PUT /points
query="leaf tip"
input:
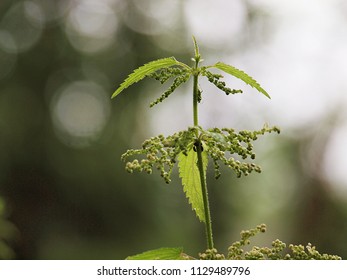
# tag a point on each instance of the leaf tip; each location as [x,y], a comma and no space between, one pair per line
[266,94]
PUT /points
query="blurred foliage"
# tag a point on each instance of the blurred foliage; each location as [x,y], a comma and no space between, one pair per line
[61,139]
[8,233]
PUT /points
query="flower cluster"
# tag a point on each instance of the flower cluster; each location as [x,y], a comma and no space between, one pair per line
[211,254]
[166,73]
[215,79]
[220,144]
[235,251]
[181,76]
[276,252]
[161,153]
[299,253]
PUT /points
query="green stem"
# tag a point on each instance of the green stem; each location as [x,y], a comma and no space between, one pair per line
[208,223]
[195,100]
[195,83]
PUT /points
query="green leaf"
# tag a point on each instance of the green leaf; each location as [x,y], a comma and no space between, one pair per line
[160,254]
[145,70]
[189,172]
[241,75]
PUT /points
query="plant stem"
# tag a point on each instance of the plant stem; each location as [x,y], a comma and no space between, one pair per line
[208,222]
[195,83]
[195,99]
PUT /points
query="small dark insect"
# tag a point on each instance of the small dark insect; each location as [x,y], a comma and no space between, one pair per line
[196,145]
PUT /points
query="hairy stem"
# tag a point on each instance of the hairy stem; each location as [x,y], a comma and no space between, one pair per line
[208,223]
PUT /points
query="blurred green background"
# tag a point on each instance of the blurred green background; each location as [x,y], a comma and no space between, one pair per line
[64,191]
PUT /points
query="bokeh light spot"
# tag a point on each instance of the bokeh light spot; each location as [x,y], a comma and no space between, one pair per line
[91,26]
[153,17]
[216,23]
[80,112]
[23,24]
[335,161]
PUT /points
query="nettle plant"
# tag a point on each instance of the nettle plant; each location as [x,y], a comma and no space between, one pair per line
[193,147]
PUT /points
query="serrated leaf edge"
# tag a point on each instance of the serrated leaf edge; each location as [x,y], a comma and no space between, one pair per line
[229,69]
[200,213]
[146,69]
